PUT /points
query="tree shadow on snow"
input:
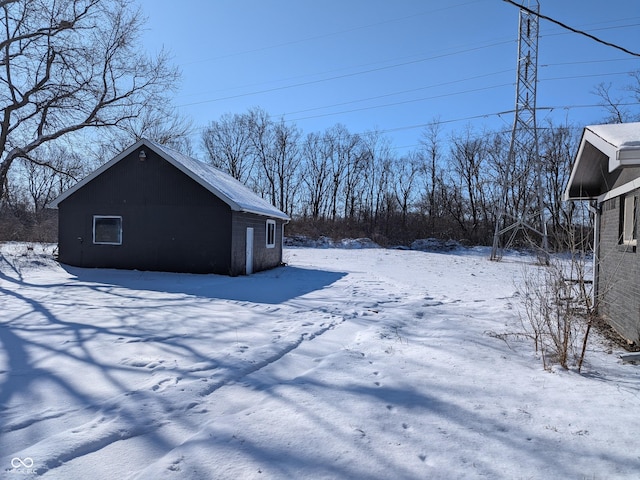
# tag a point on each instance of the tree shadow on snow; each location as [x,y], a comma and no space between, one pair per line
[346,424]
[41,325]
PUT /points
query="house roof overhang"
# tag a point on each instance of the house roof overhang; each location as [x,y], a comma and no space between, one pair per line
[603,149]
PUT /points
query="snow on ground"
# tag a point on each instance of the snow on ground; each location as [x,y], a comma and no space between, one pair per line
[348,363]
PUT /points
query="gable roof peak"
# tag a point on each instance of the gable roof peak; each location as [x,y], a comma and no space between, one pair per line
[231,191]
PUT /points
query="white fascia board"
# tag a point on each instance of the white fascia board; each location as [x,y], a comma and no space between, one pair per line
[621,190]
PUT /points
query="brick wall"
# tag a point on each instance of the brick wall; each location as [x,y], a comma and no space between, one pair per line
[619,276]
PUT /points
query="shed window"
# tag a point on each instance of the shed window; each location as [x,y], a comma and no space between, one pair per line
[107,230]
[271,233]
[628,207]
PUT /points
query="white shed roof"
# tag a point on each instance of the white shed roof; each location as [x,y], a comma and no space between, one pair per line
[238,196]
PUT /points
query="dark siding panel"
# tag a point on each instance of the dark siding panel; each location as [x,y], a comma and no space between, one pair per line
[72,233]
[619,279]
[170,223]
[263,257]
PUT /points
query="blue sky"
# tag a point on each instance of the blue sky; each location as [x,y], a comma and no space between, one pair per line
[388,65]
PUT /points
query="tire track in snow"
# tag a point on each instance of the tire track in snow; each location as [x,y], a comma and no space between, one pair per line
[278,355]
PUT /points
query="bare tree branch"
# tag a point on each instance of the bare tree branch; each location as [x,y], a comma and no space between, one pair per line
[70,66]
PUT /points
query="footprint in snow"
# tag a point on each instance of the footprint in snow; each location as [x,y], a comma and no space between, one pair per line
[164,383]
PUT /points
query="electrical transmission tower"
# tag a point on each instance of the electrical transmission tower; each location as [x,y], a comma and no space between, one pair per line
[523,167]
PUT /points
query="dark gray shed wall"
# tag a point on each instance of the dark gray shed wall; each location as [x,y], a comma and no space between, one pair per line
[170,222]
[619,275]
[263,257]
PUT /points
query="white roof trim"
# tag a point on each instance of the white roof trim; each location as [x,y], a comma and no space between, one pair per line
[619,145]
[621,190]
[620,142]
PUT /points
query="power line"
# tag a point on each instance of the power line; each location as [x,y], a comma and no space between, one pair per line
[473,117]
[415,100]
[583,62]
[312,82]
[337,77]
[442,84]
[360,72]
[404,102]
[574,30]
[616,27]
[331,34]
[258,92]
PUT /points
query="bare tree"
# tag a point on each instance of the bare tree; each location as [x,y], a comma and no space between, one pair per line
[353,157]
[634,89]
[228,144]
[498,171]
[283,168]
[70,65]
[468,167]
[316,167]
[159,122]
[375,176]
[557,147]
[336,137]
[262,142]
[45,179]
[406,171]
[431,152]
[611,103]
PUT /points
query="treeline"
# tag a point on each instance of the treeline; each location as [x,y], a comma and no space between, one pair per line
[343,184]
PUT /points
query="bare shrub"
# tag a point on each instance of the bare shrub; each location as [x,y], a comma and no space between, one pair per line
[557,310]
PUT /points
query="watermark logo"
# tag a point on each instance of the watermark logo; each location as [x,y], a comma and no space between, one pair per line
[22,465]
[26,462]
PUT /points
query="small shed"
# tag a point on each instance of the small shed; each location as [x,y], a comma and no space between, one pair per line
[153,208]
[606,172]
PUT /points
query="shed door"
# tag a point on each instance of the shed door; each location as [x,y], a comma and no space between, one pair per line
[249,252]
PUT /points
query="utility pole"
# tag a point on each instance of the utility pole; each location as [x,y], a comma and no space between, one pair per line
[523,148]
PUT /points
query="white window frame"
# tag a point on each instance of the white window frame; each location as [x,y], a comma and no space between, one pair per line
[101,217]
[270,232]
[628,206]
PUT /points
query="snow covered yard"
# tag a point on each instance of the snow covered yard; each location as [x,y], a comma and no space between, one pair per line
[365,363]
